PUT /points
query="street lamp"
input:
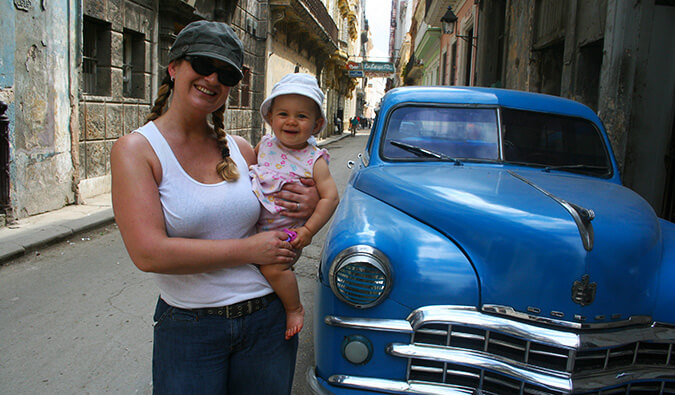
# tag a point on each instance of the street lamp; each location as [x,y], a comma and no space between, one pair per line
[449,22]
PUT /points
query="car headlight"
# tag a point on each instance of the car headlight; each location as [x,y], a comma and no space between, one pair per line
[361,276]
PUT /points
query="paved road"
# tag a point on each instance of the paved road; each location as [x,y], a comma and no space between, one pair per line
[77,317]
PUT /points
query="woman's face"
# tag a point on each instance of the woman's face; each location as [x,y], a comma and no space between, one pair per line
[192,89]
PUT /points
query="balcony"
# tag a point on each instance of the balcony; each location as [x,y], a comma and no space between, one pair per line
[306,22]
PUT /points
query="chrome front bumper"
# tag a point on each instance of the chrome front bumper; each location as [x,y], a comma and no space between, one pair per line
[453,345]
[382,385]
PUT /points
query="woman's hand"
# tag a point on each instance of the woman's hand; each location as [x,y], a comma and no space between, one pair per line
[271,247]
[299,200]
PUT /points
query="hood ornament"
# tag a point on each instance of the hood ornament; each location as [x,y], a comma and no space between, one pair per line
[583,292]
[582,216]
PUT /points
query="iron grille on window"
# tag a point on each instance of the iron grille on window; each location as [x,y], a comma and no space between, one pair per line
[89,60]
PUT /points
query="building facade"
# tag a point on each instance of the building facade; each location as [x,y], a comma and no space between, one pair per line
[78,74]
[316,37]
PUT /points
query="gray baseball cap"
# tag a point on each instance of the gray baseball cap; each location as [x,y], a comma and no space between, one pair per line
[210,39]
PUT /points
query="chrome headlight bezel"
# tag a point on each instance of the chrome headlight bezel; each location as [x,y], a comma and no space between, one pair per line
[363,255]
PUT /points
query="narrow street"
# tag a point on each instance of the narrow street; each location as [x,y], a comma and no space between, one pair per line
[77,317]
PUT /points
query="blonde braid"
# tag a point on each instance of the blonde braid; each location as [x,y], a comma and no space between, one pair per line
[162,97]
[226,168]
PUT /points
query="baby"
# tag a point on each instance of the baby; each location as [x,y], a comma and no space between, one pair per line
[294,111]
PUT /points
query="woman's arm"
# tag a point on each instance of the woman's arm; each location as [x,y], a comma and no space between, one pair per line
[136,172]
[325,208]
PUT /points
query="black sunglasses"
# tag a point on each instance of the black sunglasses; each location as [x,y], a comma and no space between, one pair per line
[227,76]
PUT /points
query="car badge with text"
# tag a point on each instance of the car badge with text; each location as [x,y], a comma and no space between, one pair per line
[583,292]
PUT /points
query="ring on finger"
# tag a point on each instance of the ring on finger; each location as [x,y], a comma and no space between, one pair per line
[297,206]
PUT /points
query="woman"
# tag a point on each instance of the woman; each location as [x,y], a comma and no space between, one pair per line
[184,206]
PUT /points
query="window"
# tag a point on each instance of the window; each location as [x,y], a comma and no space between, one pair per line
[468,60]
[234,97]
[245,88]
[96,57]
[444,66]
[133,67]
[240,95]
[553,140]
[589,64]
[467,133]
[453,64]
[550,68]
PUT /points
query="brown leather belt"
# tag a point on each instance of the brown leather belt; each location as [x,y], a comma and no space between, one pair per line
[240,309]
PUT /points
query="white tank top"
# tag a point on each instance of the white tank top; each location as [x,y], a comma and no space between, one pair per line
[226,210]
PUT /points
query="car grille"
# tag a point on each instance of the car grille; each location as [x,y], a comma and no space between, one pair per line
[533,355]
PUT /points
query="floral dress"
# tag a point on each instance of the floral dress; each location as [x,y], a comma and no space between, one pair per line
[277,166]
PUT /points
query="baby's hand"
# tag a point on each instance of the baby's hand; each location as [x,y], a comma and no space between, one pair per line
[303,239]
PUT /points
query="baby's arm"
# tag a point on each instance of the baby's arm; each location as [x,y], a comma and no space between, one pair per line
[328,201]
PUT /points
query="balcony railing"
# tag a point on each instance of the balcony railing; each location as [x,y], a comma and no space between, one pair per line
[302,10]
[319,11]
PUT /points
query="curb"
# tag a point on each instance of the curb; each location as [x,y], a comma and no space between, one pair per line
[331,139]
[17,245]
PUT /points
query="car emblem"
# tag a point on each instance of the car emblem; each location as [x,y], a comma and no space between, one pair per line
[583,292]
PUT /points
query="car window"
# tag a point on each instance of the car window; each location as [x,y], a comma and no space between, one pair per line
[462,133]
[554,141]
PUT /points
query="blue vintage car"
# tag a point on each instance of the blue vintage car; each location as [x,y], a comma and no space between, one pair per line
[485,244]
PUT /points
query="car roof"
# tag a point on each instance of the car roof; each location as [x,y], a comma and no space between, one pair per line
[508,98]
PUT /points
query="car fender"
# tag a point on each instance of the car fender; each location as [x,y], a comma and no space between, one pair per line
[428,268]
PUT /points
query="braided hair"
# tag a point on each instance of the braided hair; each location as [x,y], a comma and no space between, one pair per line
[226,168]
[162,97]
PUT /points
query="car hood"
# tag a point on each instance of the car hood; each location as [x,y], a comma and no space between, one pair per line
[525,246]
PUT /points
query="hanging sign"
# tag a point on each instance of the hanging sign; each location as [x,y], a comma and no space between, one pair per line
[353,65]
[378,67]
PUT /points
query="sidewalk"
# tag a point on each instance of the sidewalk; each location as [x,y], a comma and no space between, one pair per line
[31,233]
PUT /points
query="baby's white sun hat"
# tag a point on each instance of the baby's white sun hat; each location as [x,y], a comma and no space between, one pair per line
[294,84]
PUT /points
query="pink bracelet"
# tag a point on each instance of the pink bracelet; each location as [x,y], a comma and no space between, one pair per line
[291,235]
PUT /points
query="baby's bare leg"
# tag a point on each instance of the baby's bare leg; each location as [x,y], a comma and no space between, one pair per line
[283,281]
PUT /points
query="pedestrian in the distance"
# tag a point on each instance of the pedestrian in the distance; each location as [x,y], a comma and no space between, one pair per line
[184,205]
[353,124]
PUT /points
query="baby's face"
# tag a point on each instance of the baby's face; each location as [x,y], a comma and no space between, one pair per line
[294,118]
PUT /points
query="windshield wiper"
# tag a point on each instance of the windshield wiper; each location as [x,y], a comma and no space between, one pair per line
[419,151]
[578,166]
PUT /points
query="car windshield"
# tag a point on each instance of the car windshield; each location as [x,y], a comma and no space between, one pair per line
[547,141]
[447,132]
[554,143]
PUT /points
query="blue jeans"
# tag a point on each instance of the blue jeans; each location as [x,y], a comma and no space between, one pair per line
[207,354]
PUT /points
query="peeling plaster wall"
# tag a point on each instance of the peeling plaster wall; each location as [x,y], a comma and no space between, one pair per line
[41,167]
[7,48]
[651,122]
[520,22]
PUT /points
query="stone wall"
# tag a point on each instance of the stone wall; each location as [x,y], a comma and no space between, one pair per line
[249,21]
[106,115]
